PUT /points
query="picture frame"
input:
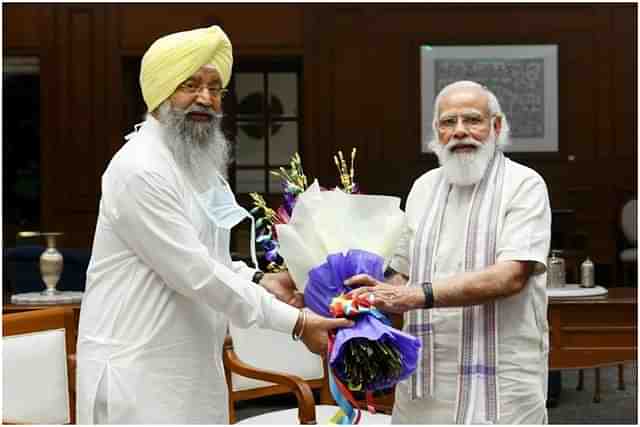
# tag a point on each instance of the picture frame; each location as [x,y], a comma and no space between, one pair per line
[524,78]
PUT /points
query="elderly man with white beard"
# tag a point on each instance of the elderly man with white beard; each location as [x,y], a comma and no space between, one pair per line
[161,285]
[470,274]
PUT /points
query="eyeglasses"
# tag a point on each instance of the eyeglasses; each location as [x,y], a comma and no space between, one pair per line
[471,121]
[192,88]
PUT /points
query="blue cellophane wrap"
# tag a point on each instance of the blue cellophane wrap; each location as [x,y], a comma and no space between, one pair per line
[326,281]
[368,326]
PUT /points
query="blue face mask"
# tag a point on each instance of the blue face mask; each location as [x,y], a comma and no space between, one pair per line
[222,209]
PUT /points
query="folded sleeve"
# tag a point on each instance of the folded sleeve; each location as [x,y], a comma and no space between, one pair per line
[242,269]
[149,216]
[526,231]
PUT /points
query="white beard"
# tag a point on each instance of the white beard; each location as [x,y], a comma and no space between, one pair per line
[199,149]
[465,168]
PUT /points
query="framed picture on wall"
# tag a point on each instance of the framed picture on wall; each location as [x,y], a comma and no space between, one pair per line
[524,78]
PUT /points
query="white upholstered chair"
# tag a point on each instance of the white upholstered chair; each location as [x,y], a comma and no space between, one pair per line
[628,256]
[38,370]
[260,363]
[269,351]
[629,226]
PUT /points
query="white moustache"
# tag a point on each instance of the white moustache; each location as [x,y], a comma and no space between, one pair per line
[454,143]
[198,109]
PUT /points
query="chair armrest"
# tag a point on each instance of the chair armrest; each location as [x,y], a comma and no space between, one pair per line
[302,391]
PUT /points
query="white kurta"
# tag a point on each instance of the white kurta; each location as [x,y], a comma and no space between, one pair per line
[160,289]
[524,232]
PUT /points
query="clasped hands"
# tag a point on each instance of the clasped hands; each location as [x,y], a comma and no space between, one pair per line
[390,298]
[394,298]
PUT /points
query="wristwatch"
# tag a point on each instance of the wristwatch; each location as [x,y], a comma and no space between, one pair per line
[257,276]
[427,288]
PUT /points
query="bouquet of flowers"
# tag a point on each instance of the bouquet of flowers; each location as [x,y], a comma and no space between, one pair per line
[294,183]
[323,238]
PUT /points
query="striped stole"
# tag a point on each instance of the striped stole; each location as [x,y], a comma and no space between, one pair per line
[477,387]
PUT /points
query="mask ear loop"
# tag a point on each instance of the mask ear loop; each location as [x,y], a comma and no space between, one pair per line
[136,128]
[254,258]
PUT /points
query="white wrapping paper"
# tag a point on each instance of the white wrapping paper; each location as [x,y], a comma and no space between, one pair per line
[327,222]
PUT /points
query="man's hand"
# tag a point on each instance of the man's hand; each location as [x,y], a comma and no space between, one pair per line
[388,298]
[315,336]
[281,285]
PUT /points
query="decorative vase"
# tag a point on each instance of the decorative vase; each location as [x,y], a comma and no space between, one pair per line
[51,262]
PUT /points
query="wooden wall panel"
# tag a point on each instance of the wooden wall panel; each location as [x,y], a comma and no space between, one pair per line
[591,72]
[602,68]
[19,38]
[114,105]
[349,78]
[75,148]
[455,20]
[21,23]
[317,85]
[623,101]
[360,88]
[80,129]
[577,97]
[250,27]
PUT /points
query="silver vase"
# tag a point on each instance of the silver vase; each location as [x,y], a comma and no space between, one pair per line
[51,262]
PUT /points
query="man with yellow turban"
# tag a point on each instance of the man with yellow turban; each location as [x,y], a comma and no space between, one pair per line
[161,285]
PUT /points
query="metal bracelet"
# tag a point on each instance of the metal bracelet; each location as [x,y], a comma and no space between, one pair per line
[298,336]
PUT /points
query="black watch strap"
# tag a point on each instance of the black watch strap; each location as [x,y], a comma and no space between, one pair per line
[427,288]
[257,276]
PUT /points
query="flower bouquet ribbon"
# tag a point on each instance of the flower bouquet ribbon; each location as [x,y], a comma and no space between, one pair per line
[330,237]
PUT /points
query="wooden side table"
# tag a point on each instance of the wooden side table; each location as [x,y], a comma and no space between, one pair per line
[586,333]
[594,332]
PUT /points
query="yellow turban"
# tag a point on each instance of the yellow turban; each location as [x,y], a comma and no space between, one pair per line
[174,58]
